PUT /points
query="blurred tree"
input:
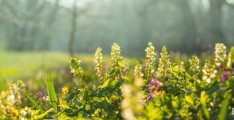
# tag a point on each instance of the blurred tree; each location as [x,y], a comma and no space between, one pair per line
[76,12]
[28,23]
[73,28]
[142,12]
[49,23]
[215,26]
[216,29]
[189,43]
[46,24]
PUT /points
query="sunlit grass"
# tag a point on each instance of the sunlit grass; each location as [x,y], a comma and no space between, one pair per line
[31,67]
[34,65]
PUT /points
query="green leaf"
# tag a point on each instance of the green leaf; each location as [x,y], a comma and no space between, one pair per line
[175,103]
[41,116]
[73,94]
[113,83]
[105,84]
[224,105]
[121,64]
[203,98]
[189,100]
[51,92]
[33,102]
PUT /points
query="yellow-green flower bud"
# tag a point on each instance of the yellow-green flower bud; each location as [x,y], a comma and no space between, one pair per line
[220,54]
[98,62]
[75,67]
[164,64]
[209,72]
[138,71]
[194,63]
[116,57]
[150,59]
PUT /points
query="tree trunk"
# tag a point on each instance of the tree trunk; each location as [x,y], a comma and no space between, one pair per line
[215,15]
[144,35]
[51,19]
[73,29]
[189,43]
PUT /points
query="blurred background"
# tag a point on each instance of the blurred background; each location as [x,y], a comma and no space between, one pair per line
[39,36]
[80,26]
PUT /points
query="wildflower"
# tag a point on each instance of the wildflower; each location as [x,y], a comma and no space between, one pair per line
[98,62]
[26,112]
[65,89]
[124,65]
[220,54]
[138,83]
[15,93]
[3,94]
[116,62]
[164,64]
[181,66]
[75,67]
[209,72]
[150,59]
[23,113]
[116,57]
[11,99]
[153,88]
[12,111]
[114,98]
[133,99]
[154,85]
[126,104]
[137,71]
[194,63]
[128,114]
[225,75]
[132,102]
[126,90]
[45,99]
[40,96]
[150,96]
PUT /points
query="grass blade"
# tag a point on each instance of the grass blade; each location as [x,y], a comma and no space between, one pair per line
[51,92]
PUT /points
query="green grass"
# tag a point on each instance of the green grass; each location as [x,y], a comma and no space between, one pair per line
[31,67]
[51,92]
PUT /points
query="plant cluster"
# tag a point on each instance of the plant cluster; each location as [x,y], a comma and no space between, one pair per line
[151,90]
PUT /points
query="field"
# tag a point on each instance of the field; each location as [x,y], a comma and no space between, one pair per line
[50,85]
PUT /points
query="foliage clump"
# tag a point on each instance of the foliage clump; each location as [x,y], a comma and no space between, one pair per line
[177,90]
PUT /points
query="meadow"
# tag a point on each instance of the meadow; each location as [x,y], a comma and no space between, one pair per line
[50,85]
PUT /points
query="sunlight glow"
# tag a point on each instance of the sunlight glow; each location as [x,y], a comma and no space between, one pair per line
[69,3]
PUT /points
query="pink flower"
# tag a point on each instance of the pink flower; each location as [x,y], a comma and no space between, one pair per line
[150,96]
[40,96]
[154,85]
[225,75]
